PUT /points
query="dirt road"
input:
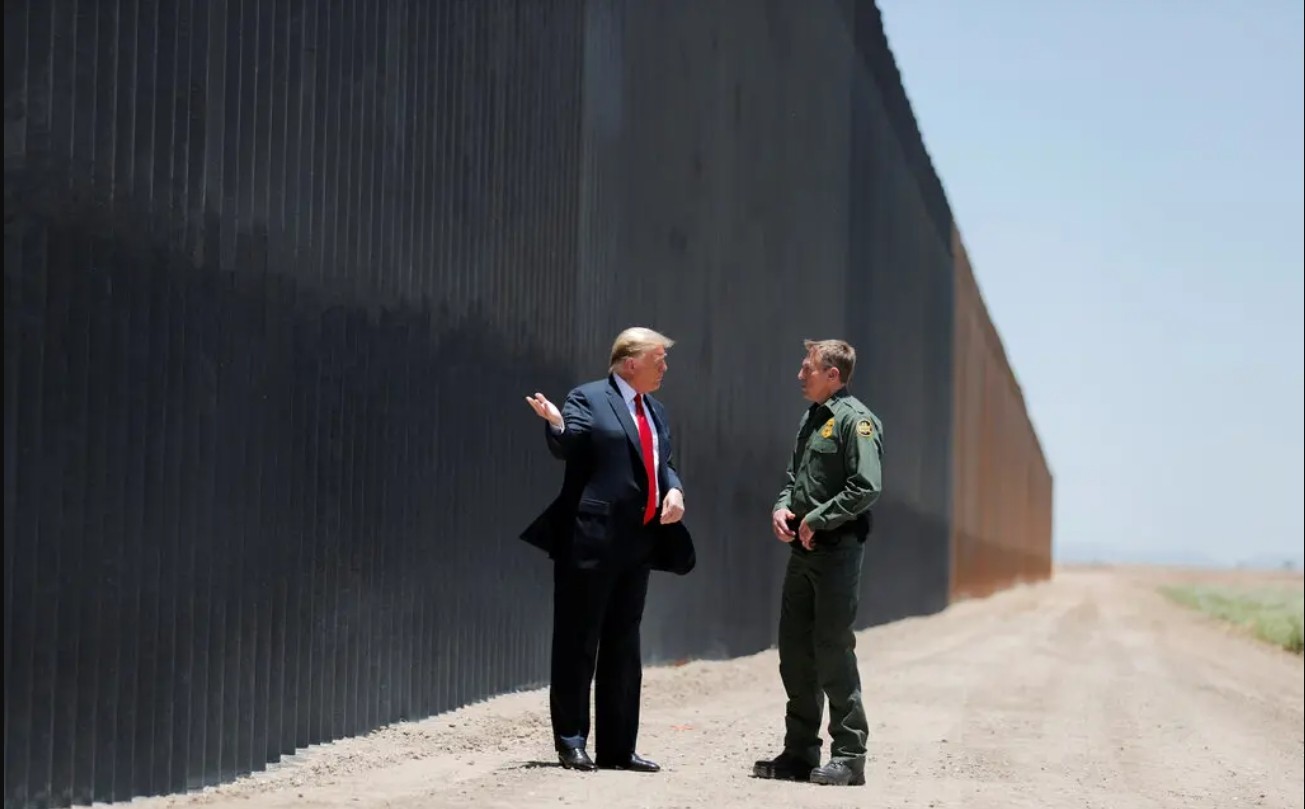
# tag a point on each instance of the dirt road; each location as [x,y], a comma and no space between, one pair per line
[1088,691]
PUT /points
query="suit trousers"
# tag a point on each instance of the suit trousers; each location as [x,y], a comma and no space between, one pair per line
[596,618]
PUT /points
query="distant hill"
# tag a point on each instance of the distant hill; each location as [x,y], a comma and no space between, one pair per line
[1271,562]
[1090,554]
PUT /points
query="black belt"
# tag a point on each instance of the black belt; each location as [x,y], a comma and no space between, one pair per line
[858,527]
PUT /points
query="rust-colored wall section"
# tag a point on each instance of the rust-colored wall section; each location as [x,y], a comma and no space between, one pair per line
[1001,484]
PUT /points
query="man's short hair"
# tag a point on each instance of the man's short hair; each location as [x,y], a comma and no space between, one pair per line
[634,341]
[835,354]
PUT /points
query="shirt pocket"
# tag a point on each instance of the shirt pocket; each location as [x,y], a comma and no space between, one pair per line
[821,446]
[824,463]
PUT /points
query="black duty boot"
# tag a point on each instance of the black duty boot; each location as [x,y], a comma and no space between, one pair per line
[784,767]
[838,774]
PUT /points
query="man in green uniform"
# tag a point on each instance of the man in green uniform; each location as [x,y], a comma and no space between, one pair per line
[833,480]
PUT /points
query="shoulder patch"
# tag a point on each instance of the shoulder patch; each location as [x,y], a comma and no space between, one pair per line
[865,428]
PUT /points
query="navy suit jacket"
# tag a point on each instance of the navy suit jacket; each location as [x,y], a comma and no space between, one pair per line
[597,518]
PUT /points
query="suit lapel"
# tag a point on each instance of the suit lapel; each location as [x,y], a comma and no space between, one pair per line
[623,415]
[663,440]
[654,417]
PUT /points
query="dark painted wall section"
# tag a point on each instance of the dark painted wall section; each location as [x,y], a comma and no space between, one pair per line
[899,313]
[278,275]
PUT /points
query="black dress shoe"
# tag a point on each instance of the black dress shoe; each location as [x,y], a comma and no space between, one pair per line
[635,763]
[575,758]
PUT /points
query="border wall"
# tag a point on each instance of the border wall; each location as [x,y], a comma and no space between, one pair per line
[278,275]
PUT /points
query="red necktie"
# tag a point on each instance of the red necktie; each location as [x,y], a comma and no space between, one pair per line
[646,444]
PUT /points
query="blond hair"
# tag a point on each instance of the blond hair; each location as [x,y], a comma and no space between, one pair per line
[835,354]
[634,341]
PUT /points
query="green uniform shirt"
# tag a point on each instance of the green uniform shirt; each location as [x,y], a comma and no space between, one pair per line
[835,473]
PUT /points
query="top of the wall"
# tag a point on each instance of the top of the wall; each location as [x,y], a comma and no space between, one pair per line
[965,275]
[873,49]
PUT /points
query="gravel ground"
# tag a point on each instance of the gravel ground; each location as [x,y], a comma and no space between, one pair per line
[1090,690]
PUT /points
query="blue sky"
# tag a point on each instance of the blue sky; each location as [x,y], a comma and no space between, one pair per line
[1128,179]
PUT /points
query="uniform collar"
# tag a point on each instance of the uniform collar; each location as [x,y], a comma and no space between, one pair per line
[828,404]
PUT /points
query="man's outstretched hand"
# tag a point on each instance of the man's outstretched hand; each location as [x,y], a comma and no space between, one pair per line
[545,409]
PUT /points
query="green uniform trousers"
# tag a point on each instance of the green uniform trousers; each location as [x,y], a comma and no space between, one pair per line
[817,652]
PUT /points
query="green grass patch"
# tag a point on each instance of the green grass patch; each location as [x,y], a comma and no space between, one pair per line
[1273,615]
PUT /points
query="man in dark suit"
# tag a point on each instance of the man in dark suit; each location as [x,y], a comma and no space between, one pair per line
[617,517]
